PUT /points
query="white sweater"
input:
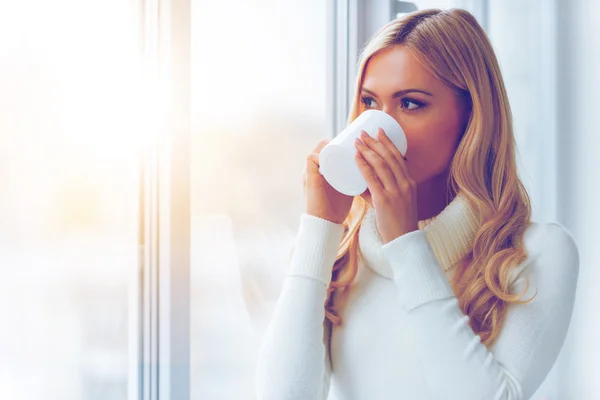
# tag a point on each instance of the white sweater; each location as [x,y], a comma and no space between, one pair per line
[403,335]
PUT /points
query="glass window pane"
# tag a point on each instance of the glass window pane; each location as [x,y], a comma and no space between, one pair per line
[69,202]
[258,109]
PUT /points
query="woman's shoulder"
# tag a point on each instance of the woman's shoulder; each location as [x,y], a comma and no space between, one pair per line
[551,252]
[549,238]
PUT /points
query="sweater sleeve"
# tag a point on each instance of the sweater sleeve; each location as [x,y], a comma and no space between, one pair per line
[293,358]
[457,365]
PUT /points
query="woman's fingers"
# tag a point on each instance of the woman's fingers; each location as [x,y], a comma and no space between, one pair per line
[368,172]
[399,158]
[322,143]
[382,161]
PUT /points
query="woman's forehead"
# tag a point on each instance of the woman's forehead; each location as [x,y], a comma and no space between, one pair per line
[397,69]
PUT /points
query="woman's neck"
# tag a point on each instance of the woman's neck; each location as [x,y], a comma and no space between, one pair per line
[433,196]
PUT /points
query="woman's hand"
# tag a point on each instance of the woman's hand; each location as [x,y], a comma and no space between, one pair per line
[393,191]
[322,200]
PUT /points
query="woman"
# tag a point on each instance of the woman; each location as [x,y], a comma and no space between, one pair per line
[416,288]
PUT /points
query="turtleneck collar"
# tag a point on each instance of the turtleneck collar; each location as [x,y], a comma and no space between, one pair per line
[450,234]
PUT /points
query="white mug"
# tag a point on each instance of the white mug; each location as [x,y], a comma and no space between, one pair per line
[337,162]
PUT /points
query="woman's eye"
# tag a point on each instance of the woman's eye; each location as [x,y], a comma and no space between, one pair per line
[366,100]
[407,104]
[416,103]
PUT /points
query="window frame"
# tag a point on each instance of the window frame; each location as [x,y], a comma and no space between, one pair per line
[164,350]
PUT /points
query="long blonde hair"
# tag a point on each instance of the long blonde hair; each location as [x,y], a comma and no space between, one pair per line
[455,49]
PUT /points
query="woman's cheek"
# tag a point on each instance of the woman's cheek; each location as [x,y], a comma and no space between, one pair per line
[423,162]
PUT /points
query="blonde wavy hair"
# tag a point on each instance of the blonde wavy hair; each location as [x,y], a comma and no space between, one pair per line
[455,49]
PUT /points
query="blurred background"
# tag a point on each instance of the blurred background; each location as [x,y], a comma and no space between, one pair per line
[151,159]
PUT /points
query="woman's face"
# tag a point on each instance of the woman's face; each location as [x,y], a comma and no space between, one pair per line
[431,115]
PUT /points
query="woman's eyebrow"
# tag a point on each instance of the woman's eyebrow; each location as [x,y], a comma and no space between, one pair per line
[399,92]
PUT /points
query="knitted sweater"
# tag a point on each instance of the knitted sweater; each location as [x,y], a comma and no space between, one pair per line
[403,335]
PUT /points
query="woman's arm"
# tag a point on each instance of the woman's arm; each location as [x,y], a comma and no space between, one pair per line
[457,365]
[293,361]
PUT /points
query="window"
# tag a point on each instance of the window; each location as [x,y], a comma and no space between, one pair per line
[258,109]
[69,172]
[148,210]
[527,56]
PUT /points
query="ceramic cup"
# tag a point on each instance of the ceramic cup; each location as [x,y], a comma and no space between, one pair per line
[337,159]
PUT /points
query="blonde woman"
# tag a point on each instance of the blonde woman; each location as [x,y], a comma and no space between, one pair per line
[434,283]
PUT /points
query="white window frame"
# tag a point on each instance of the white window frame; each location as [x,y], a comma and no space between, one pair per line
[164,348]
